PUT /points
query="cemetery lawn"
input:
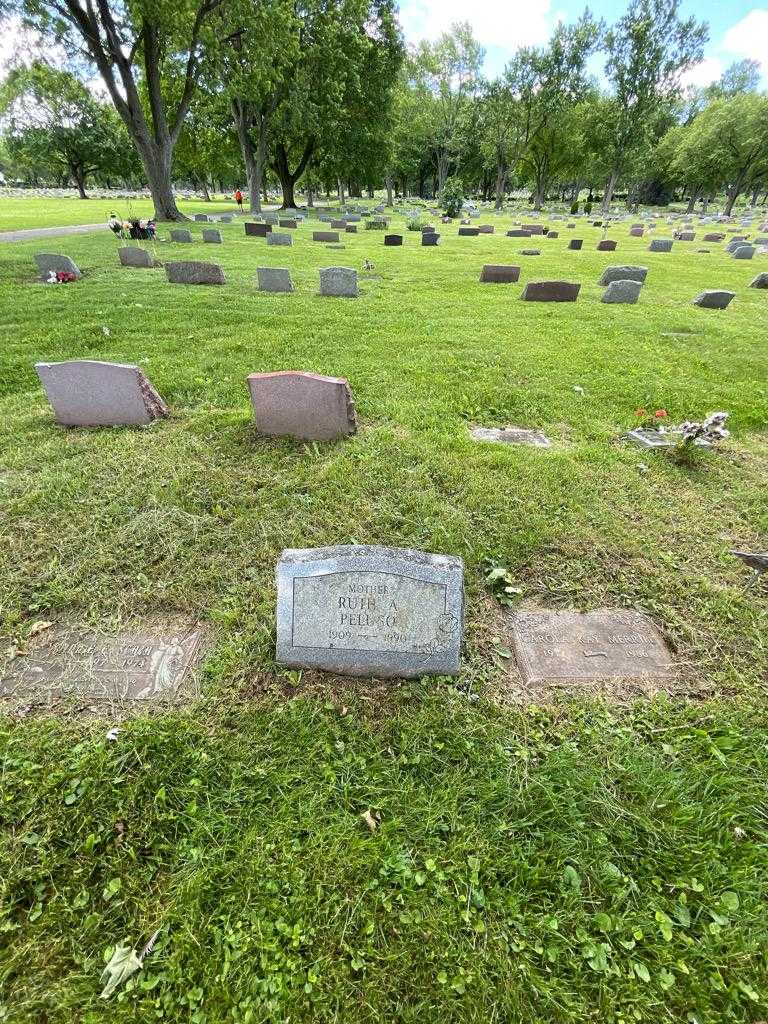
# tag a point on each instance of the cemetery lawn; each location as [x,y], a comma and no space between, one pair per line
[567,860]
[19,214]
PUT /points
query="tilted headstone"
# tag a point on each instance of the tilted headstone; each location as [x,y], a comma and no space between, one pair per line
[255,230]
[89,393]
[193,272]
[274,279]
[606,245]
[623,273]
[212,235]
[133,256]
[744,252]
[761,281]
[624,292]
[181,235]
[339,282]
[576,243]
[430,238]
[325,236]
[306,406]
[51,261]
[714,299]
[660,245]
[499,273]
[393,239]
[550,291]
[278,238]
[584,647]
[469,232]
[370,611]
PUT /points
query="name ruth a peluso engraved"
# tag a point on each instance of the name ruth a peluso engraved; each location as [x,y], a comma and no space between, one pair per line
[361,610]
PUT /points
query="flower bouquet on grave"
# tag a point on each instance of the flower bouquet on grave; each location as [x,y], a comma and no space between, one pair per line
[650,433]
[60,277]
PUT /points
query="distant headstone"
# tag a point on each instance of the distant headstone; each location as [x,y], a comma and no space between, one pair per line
[339,225]
[550,291]
[201,217]
[193,272]
[325,236]
[511,435]
[534,229]
[469,232]
[553,234]
[370,611]
[303,405]
[518,233]
[279,238]
[660,245]
[274,279]
[393,239]
[584,647]
[430,238]
[714,299]
[89,393]
[485,229]
[212,235]
[744,252]
[636,232]
[576,243]
[606,245]
[181,235]
[622,292]
[623,273]
[339,282]
[351,229]
[226,218]
[714,236]
[255,230]
[497,273]
[270,218]
[288,223]
[50,261]
[761,281]
[530,252]
[153,662]
[685,236]
[133,256]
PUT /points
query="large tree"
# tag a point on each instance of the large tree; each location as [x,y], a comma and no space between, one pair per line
[148,54]
[647,51]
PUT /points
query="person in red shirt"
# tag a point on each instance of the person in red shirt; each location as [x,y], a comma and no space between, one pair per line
[239,198]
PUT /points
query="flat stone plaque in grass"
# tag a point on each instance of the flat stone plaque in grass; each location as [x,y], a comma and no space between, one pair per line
[150,663]
[584,647]
[370,611]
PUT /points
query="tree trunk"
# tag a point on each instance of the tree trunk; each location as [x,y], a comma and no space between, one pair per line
[310,197]
[755,194]
[693,200]
[77,174]
[283,171]
[206,193]
[501,185]
[442,169]
[370,191]
[157,165]
[610,186]
[733,194]
[388,183]
[340,190]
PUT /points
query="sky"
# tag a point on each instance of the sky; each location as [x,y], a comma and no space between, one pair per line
[738,28]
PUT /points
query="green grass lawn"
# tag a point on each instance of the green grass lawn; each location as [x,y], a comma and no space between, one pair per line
[18,214]
[566,860]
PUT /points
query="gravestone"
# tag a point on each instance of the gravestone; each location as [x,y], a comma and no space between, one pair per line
[50,261]
[153,662]
[498,273]
[761,281]
[636,232]
[306,406]
[553,234]
[193,272]
[255,230]
[622,292]
[660,245]
[325,236]
[469,232]
[181,235]
[518,233]
[201,217]
[370,611]
[485,229]
[576,243]
[226,218]
[511,435]
[339,225]
[278,238]
[606,245]
[714,236]
[393,239]
[274,279]
[734,244]
[133,256]
[586,647]
[550,291]
[534,229]
[744,252]
[685,236]
[288,223]
[626,273]
[714,299]
[351,229]
[212,235]
[270,218]
[430,238]
[339,282]
[89,393]
[530,252]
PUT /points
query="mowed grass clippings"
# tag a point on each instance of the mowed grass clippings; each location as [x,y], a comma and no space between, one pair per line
[570,864]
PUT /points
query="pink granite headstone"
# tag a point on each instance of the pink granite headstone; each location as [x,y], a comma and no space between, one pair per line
[88,393]
[303,405]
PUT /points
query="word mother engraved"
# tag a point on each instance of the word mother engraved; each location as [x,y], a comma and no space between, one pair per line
[575,647]
[151,663]
[370,611]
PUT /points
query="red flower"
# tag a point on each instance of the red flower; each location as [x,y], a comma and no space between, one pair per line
[661,414]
